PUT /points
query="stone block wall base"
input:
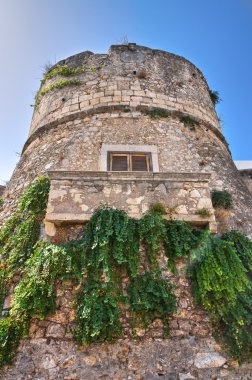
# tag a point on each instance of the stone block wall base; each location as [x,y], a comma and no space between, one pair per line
[171,359]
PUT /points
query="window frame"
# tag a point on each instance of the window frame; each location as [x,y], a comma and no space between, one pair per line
[129,155]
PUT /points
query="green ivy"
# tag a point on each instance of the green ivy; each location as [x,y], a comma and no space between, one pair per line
[180,241]
[220,284]
[151,297]
[3,284]
[106,259]
[11,331]
[98,313]
[20,233]
[243,247]
[36,292]
[153,234]
[111,245]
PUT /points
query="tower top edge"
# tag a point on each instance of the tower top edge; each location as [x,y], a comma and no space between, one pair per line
[129,47]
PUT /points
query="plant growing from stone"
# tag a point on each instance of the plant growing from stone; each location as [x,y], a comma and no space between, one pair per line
[204,212]
[57,85]
[156,113]
[222,199]
[215,97]
[220,284]
[63,70]
[108,255]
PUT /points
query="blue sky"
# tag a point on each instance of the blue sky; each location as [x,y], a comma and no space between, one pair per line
[215,35]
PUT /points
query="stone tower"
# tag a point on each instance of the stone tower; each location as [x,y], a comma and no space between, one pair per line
[129,128]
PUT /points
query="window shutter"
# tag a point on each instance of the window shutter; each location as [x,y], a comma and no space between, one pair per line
[119,163]
[139,163]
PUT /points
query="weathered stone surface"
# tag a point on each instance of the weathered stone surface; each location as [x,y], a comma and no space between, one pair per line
[209,360]
[69,130]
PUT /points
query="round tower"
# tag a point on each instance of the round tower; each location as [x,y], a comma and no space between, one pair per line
[129,128]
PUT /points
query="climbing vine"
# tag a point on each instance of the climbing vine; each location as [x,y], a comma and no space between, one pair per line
[151,297]
[36,292]
[243,247]
[180,241]
[11,331]
[115,273]
[220,284]
[110,246]
[20,233]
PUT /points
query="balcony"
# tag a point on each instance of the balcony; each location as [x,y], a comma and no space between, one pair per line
[74,195]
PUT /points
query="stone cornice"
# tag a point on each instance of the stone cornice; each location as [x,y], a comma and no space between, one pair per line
[79,175]
[115,108]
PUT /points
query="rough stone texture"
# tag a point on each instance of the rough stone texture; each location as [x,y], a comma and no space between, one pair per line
[74,195]
[169,82]
[76,146]
[189,353]
[246,175]
[68,131]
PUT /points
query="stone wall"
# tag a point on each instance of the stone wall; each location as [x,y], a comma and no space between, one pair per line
[246,176]
[69,130]
[77,145]
[190,352]
[75,195]
[129,75]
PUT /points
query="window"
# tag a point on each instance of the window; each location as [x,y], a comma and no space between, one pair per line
[129,161]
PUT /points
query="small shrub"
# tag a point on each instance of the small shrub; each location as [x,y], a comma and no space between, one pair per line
[64,71]
[214,95]
[158,208]
[204,212]
[1,202]
[188,121]
[222,199]
[157,113]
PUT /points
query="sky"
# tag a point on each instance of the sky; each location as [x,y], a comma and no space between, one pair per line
[215,35]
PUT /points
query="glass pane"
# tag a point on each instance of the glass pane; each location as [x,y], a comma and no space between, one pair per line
[139,163]
[119,163]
